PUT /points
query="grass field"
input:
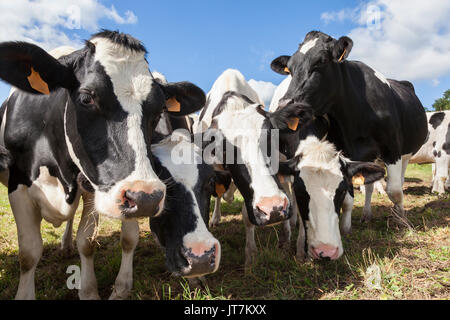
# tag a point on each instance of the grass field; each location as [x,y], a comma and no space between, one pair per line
[414,264]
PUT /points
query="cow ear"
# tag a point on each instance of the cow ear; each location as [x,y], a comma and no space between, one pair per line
[342,49]
[291,117]
[364,172]
[279,65]
[183,98]
[31,69]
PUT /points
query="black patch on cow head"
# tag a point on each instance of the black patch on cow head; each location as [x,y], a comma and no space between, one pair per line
[314,68]
[436,119]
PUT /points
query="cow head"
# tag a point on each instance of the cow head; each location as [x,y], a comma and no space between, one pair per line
[244,144]
[191,250]
[109,105]
[315,69]
[322,178]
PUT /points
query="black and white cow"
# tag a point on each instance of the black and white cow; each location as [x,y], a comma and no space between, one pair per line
[322,184]
[370,116]
[245,129]
[91,112]
[435,150]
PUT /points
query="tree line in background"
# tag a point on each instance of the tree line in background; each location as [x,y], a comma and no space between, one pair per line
[442,103]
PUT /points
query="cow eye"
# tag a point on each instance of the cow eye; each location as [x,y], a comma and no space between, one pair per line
[87,99]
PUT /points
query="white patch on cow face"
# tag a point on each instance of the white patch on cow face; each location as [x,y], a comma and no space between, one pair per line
[320,170]
[381,77]
[132,81]
[308,45]
[187,174]
[243,128]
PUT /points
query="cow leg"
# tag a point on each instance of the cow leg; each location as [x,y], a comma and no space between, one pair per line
[367,211]
[394,185]
[28,222]
[86,246]
[285,234]
[128,239]
[215,220]
[66,242]
[441,174]
[378,187]
[346,221]
[301,254]
[447,183]
[229,195]
[250,244]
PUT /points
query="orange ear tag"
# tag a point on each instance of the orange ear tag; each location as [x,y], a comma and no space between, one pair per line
[293,123]
[286,69]
[342,56]
[220,189]
[37,83]
[173,105]
[358,180]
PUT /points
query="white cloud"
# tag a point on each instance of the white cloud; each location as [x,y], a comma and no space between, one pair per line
[403,40]
[264,89]
[50,23]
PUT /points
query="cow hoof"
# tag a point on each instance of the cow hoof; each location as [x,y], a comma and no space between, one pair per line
[67,250]
[88,296]
[213,223]
[115,295]
[346,231]
[300,256]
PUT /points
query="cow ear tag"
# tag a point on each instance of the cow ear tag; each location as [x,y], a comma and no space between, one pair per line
[173,105]
[342,56]
[286,69]
[37,83]
[293,123]
[220,189]
[358,180]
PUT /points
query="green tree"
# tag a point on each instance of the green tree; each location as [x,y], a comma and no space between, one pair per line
[442,103]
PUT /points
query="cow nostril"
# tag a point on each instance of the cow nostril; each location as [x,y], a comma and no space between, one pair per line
[128,200]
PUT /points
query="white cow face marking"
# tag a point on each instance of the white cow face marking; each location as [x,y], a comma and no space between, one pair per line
[246,129]
[320,171]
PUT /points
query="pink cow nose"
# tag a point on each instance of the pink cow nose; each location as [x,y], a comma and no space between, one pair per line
[269,204]
[323,251]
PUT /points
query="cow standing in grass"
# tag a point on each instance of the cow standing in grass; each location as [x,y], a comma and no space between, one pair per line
[91,112]
[370,116]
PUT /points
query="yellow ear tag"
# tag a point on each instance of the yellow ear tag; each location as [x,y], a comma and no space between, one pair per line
[286,69]
[342,56]
[173,105]
[37,83]
[358,180]
[293,123]
[220,189]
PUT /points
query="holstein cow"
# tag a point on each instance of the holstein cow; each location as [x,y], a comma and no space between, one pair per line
[435,150]
[322,184]
[91,112]
[181,223]
[191,250]
[238,84]
[245,128]
[370,116]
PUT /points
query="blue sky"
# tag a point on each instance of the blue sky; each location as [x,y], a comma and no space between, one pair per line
[197,40]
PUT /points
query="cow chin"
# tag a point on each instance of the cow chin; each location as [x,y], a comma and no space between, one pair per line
[131,199]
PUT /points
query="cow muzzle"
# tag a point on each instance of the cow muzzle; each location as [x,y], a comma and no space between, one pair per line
[271,210]
[141,199]
[201,258]
[325,252]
